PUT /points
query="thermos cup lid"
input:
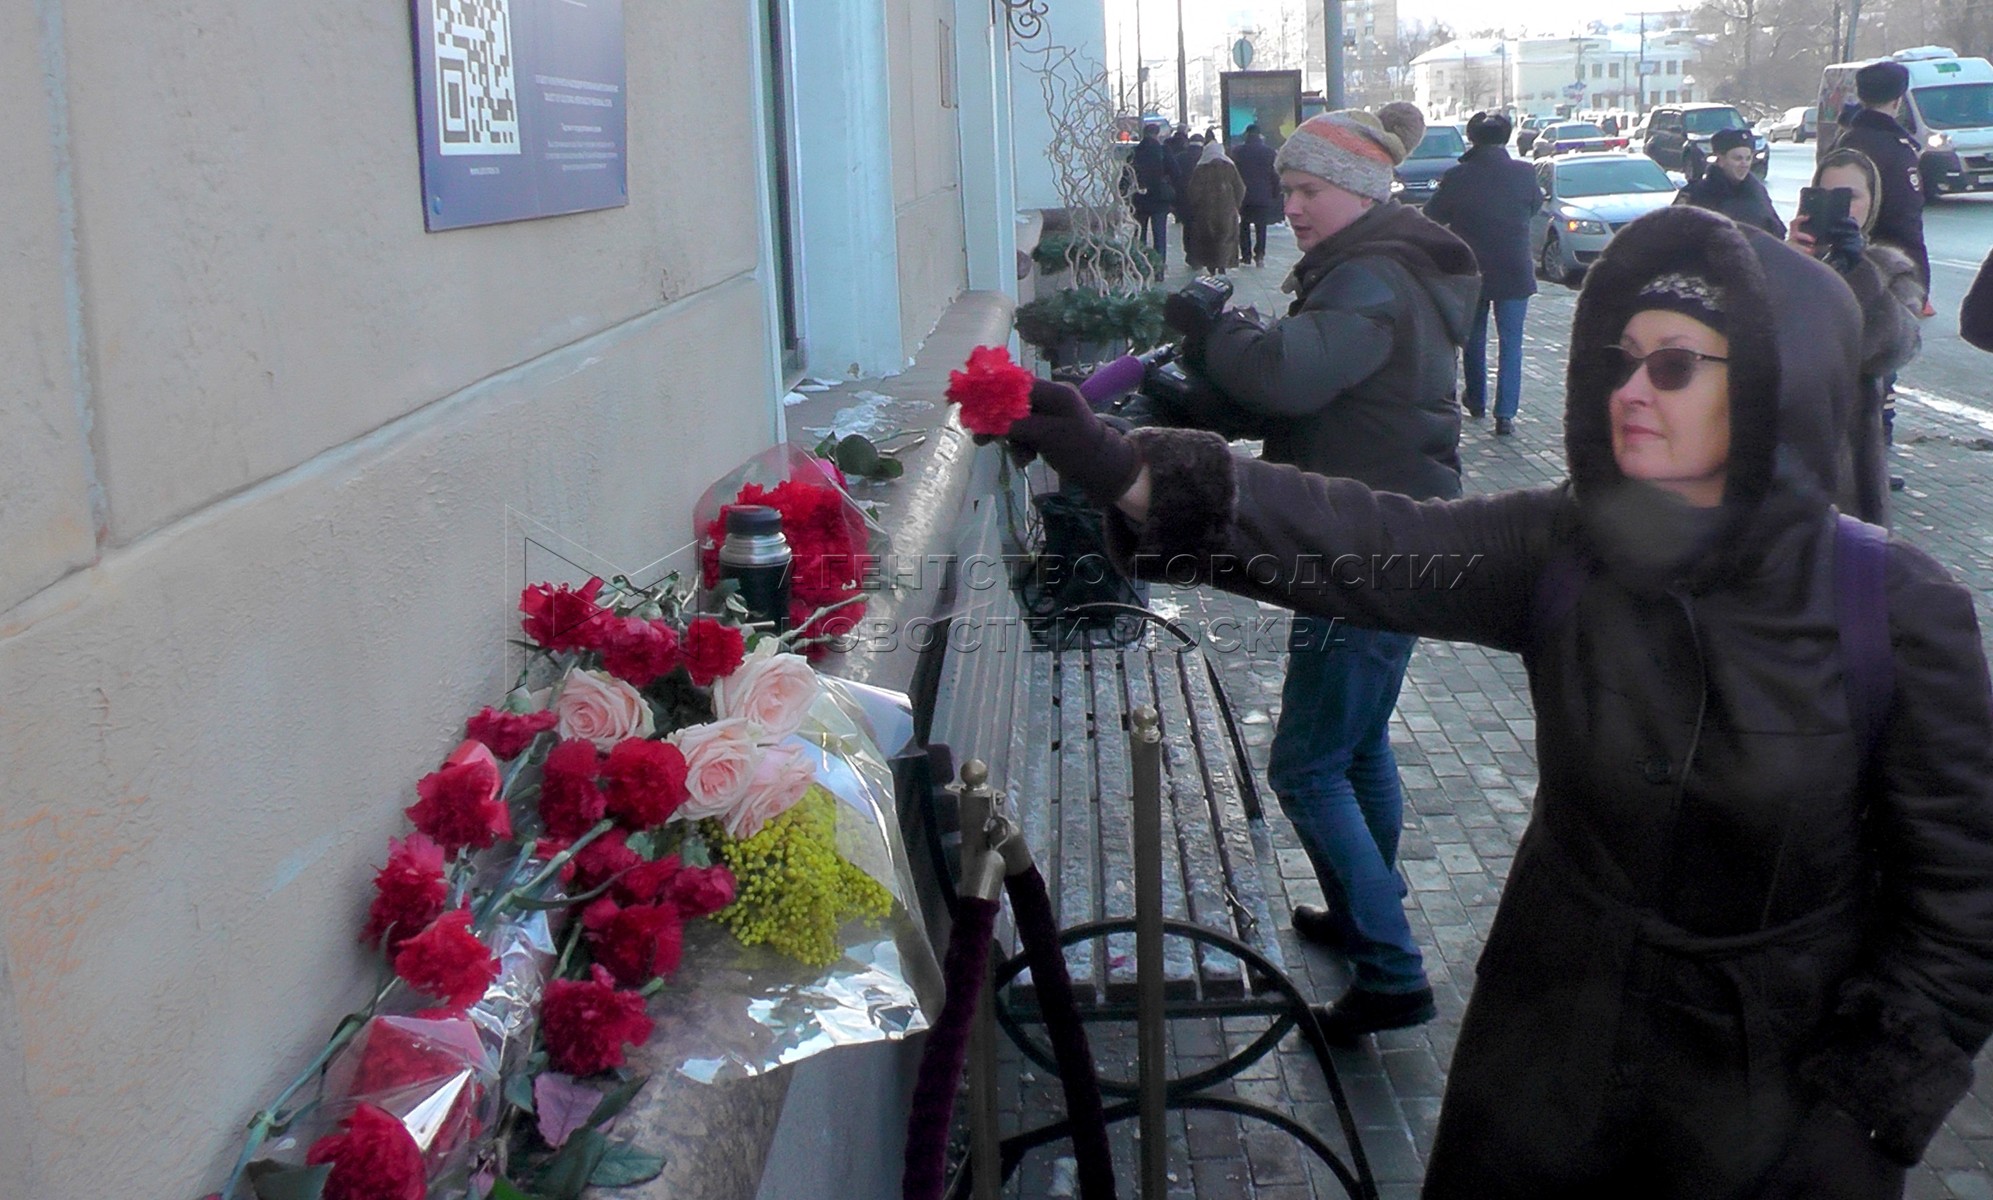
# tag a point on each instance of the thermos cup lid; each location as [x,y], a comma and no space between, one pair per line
[753,520]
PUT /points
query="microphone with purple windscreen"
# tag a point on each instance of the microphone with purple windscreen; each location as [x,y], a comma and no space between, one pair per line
[1122,375]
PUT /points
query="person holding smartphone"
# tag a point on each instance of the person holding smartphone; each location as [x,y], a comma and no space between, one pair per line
[1835,217]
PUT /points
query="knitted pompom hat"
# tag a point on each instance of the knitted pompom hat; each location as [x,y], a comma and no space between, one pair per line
[1353,149]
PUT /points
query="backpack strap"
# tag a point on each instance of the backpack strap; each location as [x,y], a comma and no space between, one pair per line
[1556,594]
[1861,611]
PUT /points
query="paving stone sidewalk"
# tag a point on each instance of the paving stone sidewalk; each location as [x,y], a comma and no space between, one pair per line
[1465,737]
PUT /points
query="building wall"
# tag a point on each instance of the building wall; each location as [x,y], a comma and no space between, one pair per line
[927,164]
[268,453]
[1077,25]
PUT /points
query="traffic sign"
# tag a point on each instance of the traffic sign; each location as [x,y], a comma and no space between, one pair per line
[1242,53]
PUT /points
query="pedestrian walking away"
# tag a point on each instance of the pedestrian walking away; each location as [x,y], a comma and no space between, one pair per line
[1261,207]
[1151,191]
[1874,131]
[1488,201]
[1356,380]
[1188,152]
[1730,187]
[1885,284]
[1745,947]
[1975,314]
[1211,241]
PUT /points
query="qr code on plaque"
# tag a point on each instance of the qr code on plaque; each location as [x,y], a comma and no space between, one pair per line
[477,100]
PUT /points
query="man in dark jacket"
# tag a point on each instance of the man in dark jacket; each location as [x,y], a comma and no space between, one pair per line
[1185,151]
[1875,132]
[1153,189]
[1356,381]
[1975,316]
[1261,207]
[1729,187]
[1488,200]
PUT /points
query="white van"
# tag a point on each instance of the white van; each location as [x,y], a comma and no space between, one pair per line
[1949,111]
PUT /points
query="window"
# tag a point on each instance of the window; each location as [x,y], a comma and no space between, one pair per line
[950,97]
[1671,97]
[1670,65]
[781,185]
[1653,97]
[1612,70]
[1598,69]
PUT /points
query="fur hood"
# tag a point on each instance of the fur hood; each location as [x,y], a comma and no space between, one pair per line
[1794,334]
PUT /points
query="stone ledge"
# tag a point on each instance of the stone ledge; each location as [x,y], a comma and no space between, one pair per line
[721,1141]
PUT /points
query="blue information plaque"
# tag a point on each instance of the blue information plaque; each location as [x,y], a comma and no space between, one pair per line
[521,109]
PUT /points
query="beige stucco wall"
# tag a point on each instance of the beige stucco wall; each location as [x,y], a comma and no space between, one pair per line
[927,167]
[307,421]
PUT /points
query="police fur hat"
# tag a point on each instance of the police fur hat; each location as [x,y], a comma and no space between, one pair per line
[1489,129]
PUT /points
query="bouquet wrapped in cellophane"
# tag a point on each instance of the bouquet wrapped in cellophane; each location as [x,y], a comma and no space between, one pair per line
[672,825]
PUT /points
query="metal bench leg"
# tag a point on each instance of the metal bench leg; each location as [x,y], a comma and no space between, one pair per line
[985,1141]
[1151,1044]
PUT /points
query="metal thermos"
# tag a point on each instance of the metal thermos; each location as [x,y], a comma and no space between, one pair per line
[757,557]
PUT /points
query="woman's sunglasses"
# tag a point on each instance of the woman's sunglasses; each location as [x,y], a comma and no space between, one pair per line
[1669,368]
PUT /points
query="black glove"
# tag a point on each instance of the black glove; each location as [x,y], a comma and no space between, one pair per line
[1831,1155]
[1193,309]
[1841,244]
[1073,440]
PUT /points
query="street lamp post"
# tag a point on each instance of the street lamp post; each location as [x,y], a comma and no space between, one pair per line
[1182,74]
[1332,53]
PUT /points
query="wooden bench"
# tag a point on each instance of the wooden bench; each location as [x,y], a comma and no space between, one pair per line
[1053,725]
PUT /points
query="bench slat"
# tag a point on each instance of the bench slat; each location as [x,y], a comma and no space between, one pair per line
[1139,665]
[1077,795]
[1197,844]
[1229,813]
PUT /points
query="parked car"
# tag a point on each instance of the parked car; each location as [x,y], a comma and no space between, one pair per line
[1678,137]
[1794,125]
[1949,111]
[1586,199]
[1436,154]
[1568,137]
[1526,132]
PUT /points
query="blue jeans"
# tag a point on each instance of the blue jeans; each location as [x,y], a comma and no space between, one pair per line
[1508,336]
[1337,780]
[1157,226]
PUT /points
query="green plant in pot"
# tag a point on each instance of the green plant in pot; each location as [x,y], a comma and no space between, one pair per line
[1081,325]
[1057,253]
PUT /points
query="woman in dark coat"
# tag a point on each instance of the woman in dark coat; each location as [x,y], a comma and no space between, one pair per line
[1488,201]
[1263,203]
[1891,294]
[1746,944]
[1211,240]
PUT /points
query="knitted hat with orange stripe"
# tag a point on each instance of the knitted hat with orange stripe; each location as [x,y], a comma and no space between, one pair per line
[1354,149]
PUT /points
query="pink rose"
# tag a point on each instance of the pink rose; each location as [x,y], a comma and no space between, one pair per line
[771,689]
[601,708]
[719,764]
[781,778]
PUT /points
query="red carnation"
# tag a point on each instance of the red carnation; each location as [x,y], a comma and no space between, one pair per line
[569,800]
[637,943]
[507,733]
[638,651]
[701,891]
[598,862]
[372,1157]
[459,805]
[409,892]
[647,883]
[645,781]
[586,1023]
[991,391]
[448,961]
[562,618]
[713,650]
[394,1057]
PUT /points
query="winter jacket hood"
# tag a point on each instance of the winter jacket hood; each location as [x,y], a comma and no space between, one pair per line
[1793,389]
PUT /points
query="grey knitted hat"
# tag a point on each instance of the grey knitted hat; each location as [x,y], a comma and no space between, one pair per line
[1353,149]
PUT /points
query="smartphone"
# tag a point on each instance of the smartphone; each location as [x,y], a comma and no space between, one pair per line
[1823,207]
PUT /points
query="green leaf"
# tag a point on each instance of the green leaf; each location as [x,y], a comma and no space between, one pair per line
[626,1166]
[889,468]
[519,1091]
[568,1172]
[290,1183]
[857,455]
[505,1189]
[616,1100]
[645,844]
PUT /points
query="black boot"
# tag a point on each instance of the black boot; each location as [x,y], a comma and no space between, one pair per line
[1504,426]
[1316,925]
[1361,1011]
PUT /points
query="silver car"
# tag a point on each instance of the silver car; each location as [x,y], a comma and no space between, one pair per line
[1586,199]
